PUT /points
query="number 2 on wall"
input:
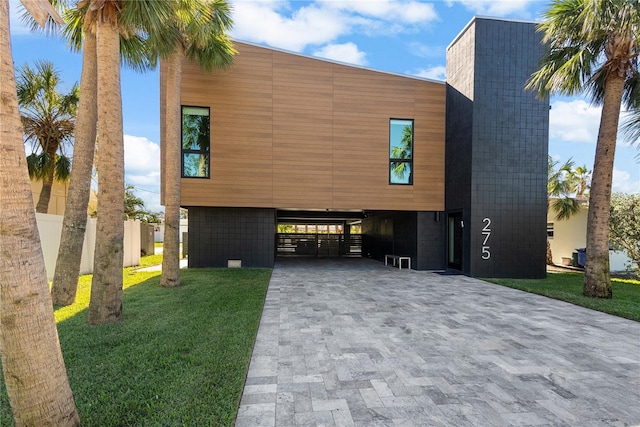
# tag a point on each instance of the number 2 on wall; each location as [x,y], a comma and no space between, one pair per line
[486,232]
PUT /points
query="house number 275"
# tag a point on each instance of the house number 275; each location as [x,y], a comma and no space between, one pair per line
[486,233]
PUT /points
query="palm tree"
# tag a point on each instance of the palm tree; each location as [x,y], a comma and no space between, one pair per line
[581,180]
[74,225]
[48,120]
[81,35]
[592,47]
[561,188]
[133,205]
[110,20]
[198,32]
[33,367]
[105,305]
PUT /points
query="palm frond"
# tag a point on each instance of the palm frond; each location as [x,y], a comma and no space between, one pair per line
[581,36]
[137,54]
[565,207]
[40,165]
[74,28]
[62,171]
[50,26]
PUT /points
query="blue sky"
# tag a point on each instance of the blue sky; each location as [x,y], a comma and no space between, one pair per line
[406,37]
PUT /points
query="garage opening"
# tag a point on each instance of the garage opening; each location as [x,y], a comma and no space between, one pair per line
[319,234]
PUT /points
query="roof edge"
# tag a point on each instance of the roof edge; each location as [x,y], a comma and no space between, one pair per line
[332,61]
[487,18]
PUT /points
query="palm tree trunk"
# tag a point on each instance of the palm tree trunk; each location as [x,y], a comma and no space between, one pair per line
[597,280]
[34,371]
[51,148]
[45,194]
[74,225]
[172,153]
[106,288]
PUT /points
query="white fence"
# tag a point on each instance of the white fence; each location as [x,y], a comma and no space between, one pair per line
[50,228]
[159,230]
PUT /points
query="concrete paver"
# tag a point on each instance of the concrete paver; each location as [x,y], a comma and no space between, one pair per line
[354,343]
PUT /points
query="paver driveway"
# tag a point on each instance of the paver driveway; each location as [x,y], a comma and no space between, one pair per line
[352,342]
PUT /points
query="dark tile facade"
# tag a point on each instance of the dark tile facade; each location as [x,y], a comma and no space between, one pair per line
[415,234]
[496,149]
[430,241]
[217,235]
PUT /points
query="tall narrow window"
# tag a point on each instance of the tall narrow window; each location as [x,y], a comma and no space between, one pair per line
[401,151]
[195,142]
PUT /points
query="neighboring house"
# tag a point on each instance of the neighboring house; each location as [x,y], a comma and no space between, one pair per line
[569,235]
[59,191]
[451,175]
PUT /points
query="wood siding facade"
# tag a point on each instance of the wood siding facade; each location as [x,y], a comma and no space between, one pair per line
[293,132]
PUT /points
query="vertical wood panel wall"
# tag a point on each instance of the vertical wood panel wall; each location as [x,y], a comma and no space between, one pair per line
[288,131]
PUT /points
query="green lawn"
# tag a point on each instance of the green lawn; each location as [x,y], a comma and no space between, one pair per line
[568,287]
[149,260]
[180,357]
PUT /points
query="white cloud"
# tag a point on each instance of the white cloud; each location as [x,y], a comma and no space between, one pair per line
[574,121]
[438,72]
[347,52]
[494,7]
[425,51]
[142,169]
[411,12]
[623,182]
[141,154]
[267,22]
[149,179]
[281,24]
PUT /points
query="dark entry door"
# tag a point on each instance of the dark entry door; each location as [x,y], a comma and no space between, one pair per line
[454,240]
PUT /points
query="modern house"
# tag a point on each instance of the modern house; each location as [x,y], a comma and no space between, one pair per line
[450,175]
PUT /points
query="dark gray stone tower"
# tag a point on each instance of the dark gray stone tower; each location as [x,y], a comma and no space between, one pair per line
[496,152]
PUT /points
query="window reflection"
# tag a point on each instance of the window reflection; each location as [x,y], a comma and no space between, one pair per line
[400,151]
[195,142]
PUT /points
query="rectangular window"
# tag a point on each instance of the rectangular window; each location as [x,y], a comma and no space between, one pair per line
[195,142]
[550,230]
[401,151]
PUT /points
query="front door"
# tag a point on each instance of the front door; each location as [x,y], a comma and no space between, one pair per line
[454,240]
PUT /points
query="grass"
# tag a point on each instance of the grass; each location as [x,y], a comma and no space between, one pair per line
[180,357]
[568,287]
[149,260]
